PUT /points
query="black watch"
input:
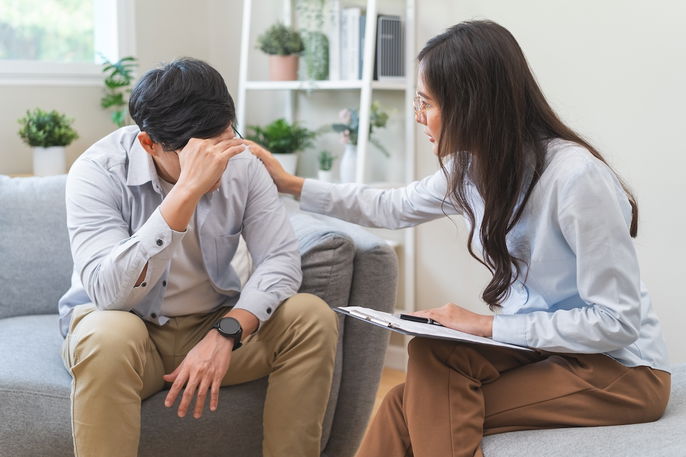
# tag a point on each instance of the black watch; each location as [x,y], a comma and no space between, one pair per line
[230,328]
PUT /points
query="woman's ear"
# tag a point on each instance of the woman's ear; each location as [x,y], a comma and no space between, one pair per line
[147,143]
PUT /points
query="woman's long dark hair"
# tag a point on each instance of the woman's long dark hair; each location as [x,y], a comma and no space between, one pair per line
[495,127]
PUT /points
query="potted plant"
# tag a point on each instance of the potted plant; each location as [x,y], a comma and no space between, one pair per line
[325,172]
[349,128]
[117,87]
[311,15]
[283,139]
[284,45]
[47,133]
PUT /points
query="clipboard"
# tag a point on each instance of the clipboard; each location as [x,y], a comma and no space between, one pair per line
[395,324]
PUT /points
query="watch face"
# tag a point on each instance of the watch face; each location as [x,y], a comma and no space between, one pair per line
[229,326]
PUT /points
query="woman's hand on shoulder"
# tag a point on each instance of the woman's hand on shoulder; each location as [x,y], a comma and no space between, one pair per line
[459,318]
[285,182]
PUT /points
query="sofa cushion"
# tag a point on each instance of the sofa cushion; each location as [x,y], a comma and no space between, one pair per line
[663,438]
[34,246]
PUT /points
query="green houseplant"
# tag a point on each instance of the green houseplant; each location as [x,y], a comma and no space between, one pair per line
[47,132]
[283,139]
[326,160]
[284,45]
[311,14]
[118,79]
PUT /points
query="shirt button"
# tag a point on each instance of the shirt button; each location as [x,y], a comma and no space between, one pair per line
[159,242]
[143,284]
[164,283]
[154,315]
[269,310]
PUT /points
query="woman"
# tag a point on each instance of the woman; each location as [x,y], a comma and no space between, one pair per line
[552,222]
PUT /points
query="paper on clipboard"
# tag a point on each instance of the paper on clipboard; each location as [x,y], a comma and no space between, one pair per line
[394,323]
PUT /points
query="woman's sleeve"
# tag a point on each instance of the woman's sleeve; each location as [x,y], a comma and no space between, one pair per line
[594,217]
[418,202]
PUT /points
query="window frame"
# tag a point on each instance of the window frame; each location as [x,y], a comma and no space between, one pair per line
[41,73]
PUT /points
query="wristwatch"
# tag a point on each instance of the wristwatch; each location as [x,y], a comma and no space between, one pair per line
[230,328]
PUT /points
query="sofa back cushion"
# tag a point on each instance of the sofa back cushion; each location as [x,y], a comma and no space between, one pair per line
[35,259]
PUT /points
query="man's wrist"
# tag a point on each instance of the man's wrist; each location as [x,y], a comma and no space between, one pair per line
[178,207]
[249,322]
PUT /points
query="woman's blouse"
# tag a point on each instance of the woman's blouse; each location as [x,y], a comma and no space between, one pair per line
[581,292]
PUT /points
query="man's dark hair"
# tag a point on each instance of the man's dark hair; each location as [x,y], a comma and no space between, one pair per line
[184,99]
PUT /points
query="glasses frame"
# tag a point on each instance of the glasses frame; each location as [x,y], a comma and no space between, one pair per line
[420,107]
[237,132]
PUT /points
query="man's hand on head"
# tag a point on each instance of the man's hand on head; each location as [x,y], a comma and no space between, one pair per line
[203,162]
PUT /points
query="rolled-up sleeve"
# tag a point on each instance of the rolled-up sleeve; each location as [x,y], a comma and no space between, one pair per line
[593,215]
[107,257]
[272,245]
[420,201]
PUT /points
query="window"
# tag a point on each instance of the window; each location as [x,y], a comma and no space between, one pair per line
[62,41]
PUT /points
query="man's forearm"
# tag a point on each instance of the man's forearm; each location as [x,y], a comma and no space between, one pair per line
[178,207]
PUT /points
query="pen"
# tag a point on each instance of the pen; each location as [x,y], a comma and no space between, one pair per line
[423,320]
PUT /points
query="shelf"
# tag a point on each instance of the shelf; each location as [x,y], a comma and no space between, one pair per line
[322,85]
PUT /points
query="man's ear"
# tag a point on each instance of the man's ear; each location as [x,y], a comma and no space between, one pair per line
[147,143]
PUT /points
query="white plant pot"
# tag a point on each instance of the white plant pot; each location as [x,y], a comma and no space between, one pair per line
[289,162]
[325,175]
[49,161]
[349,163]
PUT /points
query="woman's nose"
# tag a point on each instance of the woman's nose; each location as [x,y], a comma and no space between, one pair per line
[420,118]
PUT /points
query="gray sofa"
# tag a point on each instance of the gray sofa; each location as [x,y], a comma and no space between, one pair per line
[343,264]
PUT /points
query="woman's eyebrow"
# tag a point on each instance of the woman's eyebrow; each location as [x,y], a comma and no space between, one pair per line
[423,95]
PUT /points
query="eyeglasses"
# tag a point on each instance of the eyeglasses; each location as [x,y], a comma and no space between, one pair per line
[420,106]
[236,132]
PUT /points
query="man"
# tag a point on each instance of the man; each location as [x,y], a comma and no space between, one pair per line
[155,213]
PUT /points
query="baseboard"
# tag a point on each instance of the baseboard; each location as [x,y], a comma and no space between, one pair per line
[396,357]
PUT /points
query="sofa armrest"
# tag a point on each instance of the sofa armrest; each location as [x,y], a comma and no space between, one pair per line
[362,348]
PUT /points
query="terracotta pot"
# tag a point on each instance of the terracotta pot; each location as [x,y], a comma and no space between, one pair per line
[283,68]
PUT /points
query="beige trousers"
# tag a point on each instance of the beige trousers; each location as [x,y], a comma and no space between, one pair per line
[116,360]
[456,393]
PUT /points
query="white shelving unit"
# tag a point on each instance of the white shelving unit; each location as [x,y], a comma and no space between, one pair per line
[365,87]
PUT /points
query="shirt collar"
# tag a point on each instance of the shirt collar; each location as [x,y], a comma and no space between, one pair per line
[141,168]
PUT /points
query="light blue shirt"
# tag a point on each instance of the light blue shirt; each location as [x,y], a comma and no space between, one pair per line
[582,293]
[113,196]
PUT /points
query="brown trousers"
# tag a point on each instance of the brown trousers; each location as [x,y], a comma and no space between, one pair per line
[456,393]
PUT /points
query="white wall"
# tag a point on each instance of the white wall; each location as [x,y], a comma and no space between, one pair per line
[615,71]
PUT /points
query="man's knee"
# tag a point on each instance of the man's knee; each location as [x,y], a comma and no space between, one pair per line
[312,314]
[109,336]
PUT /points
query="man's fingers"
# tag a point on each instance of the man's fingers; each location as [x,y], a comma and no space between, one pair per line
[187,396]
[200,400]
[175,388]
[214,394]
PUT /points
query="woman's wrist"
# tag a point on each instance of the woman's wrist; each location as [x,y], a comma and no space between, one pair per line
[488,326]
[294,186]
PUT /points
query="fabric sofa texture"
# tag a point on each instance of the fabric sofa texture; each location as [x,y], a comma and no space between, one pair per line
[341,263]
